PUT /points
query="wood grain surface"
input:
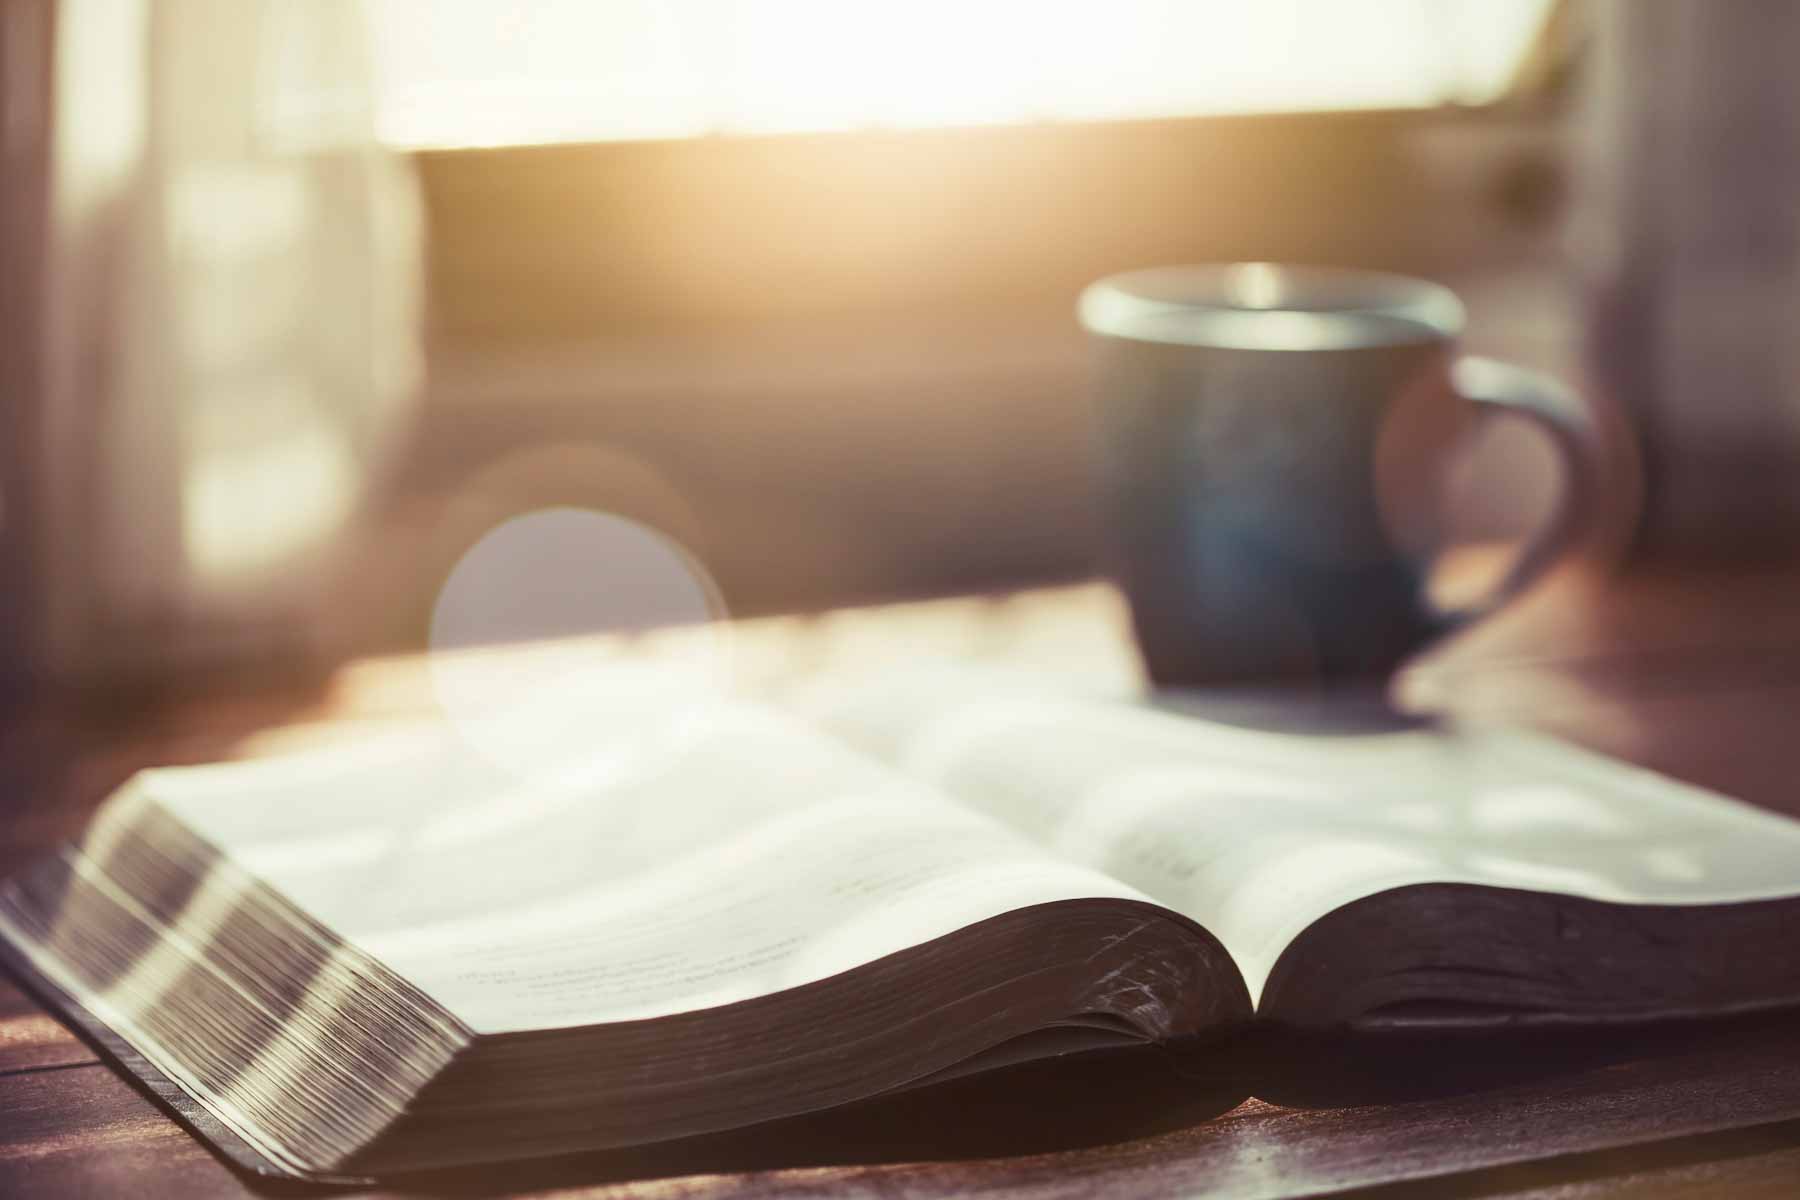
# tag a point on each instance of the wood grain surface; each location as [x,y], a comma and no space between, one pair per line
[1696,673]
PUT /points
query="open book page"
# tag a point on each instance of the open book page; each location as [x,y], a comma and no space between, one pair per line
[1255,835]
[722,856]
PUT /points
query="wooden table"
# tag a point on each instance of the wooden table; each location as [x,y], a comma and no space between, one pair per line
[1695,672]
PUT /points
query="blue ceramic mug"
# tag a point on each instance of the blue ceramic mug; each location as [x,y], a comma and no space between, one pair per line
[1272,440]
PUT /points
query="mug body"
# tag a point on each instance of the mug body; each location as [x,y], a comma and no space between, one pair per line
[1271,441]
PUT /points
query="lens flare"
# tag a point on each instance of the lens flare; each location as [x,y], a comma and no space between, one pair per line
[569,640]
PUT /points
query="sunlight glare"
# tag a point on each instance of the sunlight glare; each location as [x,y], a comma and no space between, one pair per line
[569,70]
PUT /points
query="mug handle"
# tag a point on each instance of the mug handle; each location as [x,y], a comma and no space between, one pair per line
[1502,389]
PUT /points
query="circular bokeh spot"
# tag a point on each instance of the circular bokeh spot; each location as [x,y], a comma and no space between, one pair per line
[571,639]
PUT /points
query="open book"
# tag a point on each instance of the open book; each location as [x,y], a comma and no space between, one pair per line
[397,955]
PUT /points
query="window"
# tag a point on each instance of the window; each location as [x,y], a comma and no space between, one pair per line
[532,71]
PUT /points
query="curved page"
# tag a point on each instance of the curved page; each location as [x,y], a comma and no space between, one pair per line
[1255,835]
[727,855]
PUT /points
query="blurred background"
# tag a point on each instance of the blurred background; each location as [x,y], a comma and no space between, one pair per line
[302,299]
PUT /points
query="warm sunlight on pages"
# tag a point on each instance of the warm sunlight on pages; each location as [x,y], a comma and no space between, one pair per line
[891,877]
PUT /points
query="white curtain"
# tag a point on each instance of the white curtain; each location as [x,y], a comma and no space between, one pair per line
[233,351]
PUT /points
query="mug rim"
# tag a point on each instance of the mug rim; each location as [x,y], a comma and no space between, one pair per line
[1271,306]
